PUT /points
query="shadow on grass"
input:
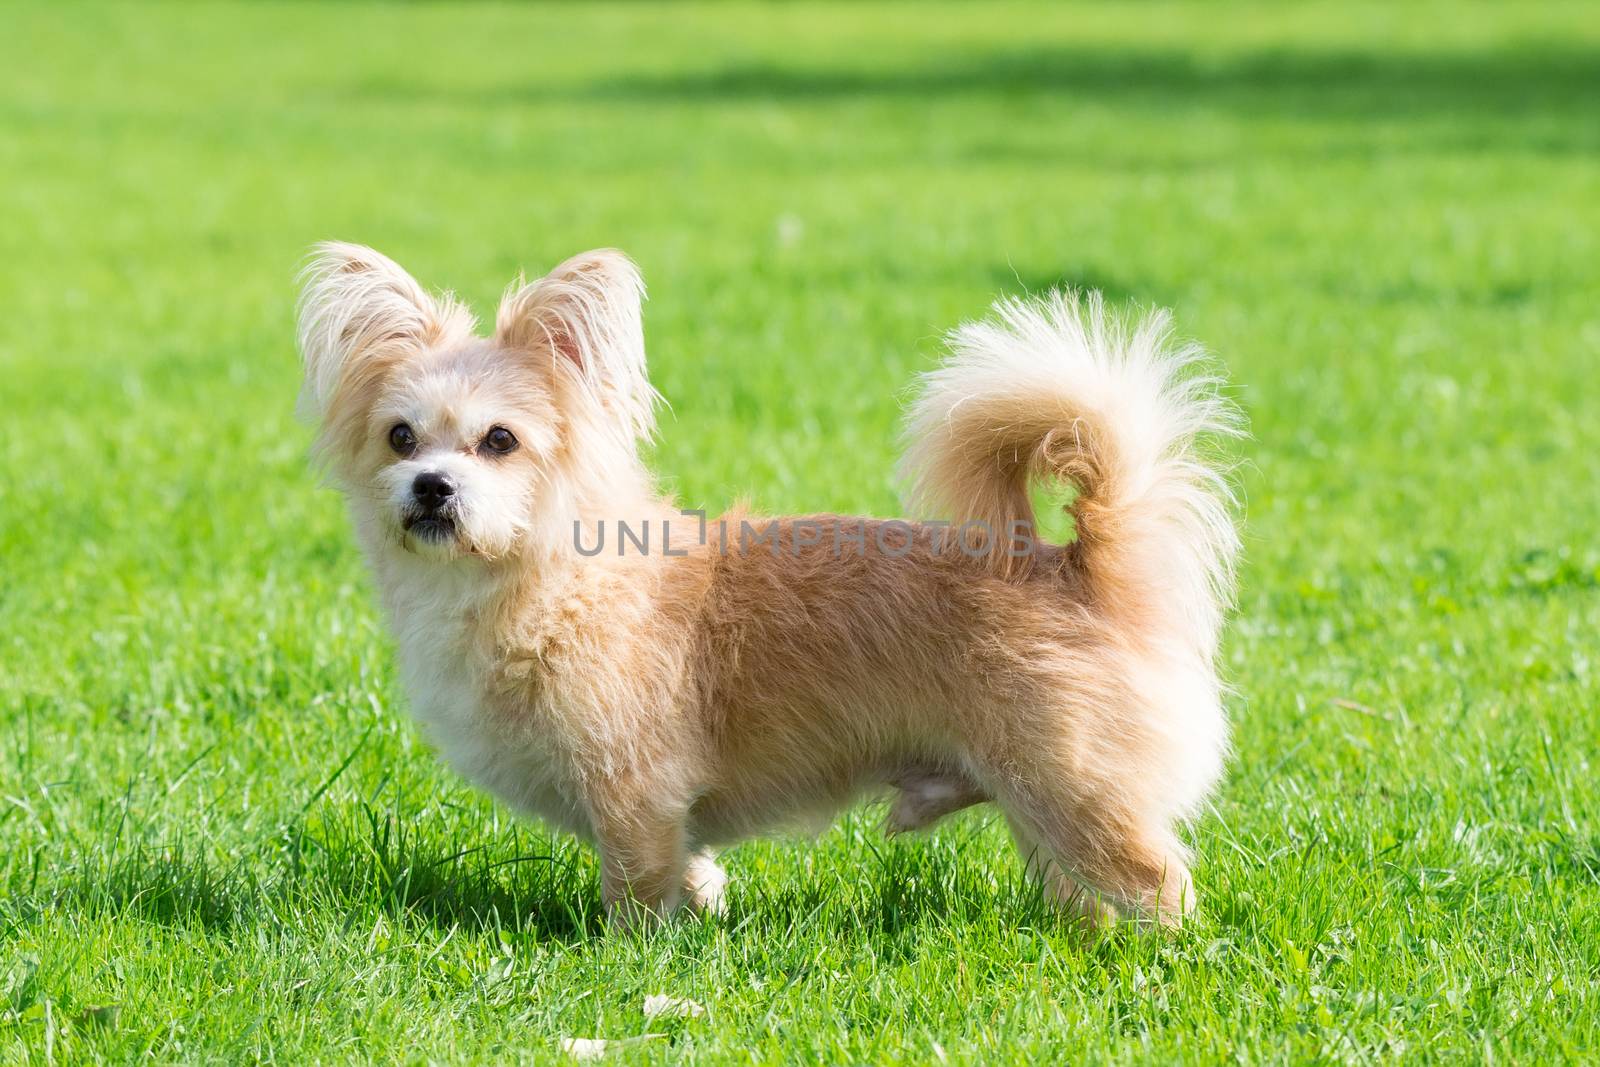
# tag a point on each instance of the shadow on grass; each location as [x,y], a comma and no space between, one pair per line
[1392,85]
[1333,81]
[895,894]
[523,883]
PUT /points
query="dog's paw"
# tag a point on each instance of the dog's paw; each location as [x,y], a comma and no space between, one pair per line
[704,884]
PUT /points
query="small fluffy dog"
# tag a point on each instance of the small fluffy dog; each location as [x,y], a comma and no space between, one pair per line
[663,699]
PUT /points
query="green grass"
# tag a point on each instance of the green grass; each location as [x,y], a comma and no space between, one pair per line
[222,840]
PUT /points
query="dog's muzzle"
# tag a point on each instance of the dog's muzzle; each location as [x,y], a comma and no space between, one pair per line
[431,513]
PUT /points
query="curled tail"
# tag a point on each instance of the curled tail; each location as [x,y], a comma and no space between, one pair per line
[1057,390]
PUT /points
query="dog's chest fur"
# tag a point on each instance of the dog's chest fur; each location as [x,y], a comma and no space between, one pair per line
[435,612]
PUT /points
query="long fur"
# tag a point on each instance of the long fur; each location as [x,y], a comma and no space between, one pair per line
[1059,390]
[360,315]
[668,702]
[587,312]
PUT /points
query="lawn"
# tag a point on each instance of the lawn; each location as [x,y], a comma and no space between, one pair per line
[221,839]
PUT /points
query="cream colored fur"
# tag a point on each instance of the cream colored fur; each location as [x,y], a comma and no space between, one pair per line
[664,705]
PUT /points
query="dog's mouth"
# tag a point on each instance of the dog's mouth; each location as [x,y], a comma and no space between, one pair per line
[431,528]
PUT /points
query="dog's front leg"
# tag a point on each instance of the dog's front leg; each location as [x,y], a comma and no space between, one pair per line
[643,859]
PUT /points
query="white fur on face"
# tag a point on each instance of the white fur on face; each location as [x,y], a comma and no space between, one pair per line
[564,372]
[451,404]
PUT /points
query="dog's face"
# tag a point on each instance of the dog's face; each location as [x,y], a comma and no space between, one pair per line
[457,446]
[448,444]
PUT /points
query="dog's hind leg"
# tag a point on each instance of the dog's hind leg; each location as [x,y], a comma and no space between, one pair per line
[1089,807]
[1059,887]
[1096,840]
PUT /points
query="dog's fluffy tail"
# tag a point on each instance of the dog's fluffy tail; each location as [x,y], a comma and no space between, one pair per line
[1057,393]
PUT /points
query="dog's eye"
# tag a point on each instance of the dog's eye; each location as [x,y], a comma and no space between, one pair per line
[500,440]
[402,439]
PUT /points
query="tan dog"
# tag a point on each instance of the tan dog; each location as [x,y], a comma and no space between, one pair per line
[668,693]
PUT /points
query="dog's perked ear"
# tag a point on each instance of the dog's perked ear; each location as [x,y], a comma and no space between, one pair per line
[583,320]
[360,313]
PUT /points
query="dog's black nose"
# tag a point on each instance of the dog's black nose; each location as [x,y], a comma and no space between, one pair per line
[433,490]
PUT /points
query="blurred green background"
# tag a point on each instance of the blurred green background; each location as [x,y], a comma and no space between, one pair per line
[221,840]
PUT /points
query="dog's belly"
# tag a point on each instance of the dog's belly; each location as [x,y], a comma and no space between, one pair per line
[806,799]
[728,816]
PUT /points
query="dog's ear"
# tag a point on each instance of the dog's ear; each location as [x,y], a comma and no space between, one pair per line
[583,320]
[359,312]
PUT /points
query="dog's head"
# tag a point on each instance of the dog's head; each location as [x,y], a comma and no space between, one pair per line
[451,444]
